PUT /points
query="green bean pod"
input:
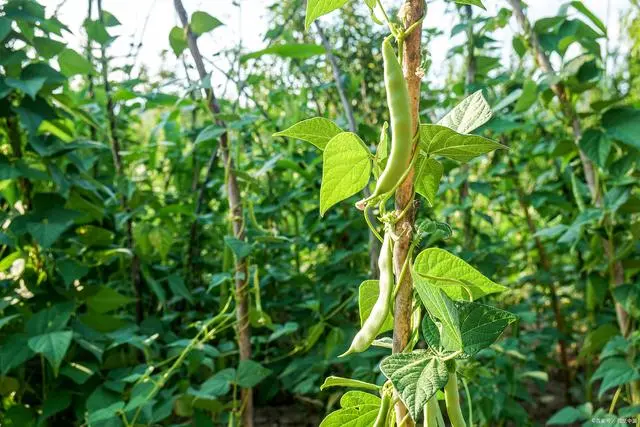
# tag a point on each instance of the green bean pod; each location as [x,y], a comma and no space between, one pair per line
[380,310]
[385,405]
[401,131]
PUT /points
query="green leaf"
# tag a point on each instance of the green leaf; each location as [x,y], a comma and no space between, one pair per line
[29,86]
[453,275]
[472,3]
[218,385]
[7,319]
[161,239]
[596,145]
[71,271]
[72,63]
[240,248]
[53,346]
[210,133]
[14,351]
[50,319]
[202,22]
[579,5]
[441,141]
[109,20]
[481,325]
[55,403]
[97,31]
[318,8]
[178,40]
[471,113]
[179,289]
[367,296]
[106,413]
[417,376]
[5,27]
[250,373]
[359,409]
[318,131]
[287,50]
[614,371]
[428,175]
[8,261]
[440,306]
[623,124]
[48,225]
[346,166]
[566,415]
[528,97]
[107,299]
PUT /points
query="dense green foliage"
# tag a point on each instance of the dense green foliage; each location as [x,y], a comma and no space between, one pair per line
[121,269]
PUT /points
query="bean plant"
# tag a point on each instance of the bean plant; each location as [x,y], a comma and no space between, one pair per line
[448,323]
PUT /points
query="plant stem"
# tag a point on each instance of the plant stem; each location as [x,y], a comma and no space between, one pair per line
[452,398]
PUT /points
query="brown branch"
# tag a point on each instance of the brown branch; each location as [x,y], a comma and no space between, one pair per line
[235,208]
[136,279]
[411,60]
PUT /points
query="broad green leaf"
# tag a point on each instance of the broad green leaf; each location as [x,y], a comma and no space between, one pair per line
[202,22]
[107,299]
[471,113]
[367,295]
[71,270]
[579,5]
[595,340]
[55,403]
[623,124]
[141,393]
[614,371]
[250,373]
[72,63]
[481,325]
[332,381]
[29,86]
[7,319]
[453,275]
[440,306]
[346,166]
[567,415]
[210,133]
[109,20]
[52,319]
[417,376]
[528,97]
[179,289]
[177,40]
[472,3]
[47,226]
[428,175]
[14,351]
[287,50]
[218,385]
[97,31]
[5,27]
[155,286]
[53,346]
[441,141]
[318,131]
[596,145]
[106,413]
[318,8]
[359,409]
[240,248]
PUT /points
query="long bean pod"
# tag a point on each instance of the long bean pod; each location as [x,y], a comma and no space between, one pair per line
[401,131]
[380,310]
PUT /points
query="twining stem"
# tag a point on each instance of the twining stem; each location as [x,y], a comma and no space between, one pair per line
[452,398]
